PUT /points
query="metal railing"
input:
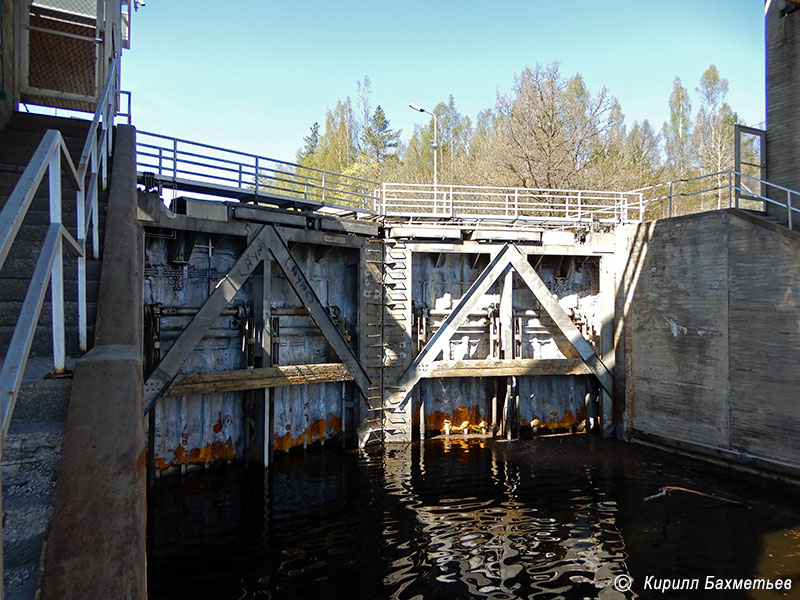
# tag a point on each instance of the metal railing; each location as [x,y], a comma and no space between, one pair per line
[202,168]
[714,191]
[231,173]
[50,158]
[542,206]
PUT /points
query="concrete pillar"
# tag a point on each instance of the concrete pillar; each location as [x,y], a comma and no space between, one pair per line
[607,354]
[782,29]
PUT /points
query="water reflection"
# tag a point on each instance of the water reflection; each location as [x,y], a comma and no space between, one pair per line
[505,539]
[542,520]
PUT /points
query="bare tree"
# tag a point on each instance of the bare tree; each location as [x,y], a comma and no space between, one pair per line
[551,126]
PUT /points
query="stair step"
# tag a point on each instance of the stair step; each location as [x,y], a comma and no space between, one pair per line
[46,400]
[20,583]
[33,138]
[16,268]
[42,345]
[36,123]
[9,312]
[14,290]
[24,532]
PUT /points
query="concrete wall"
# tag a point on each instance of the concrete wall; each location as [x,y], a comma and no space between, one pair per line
[712,336]
[783,89]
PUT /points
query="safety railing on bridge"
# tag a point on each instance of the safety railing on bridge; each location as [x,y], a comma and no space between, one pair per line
[203,168]
[714,191]
[542,206]
[184,164]
[51,158]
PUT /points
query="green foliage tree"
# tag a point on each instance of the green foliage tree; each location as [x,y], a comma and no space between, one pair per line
[336,149]
[549,131]
[642,156]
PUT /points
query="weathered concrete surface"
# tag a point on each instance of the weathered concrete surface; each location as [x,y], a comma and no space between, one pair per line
[119,318]
[712,337]
[764,321]
[783,89]
[677,384]
[97,543]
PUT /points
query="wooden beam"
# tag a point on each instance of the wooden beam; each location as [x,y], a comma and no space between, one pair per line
[519,367]
[255,379]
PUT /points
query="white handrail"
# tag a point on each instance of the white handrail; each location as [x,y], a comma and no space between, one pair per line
[547,206]
[47,159]
[730,181]
[51,157]
[234,173]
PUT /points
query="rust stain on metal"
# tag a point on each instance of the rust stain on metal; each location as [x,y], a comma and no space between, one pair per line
[557,421]
[284,442]
[334,424]
[209,453]
[436,419]
[316,431]
[312,434]
[218,425]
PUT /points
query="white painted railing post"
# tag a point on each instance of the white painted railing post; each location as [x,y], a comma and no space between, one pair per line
[730,189]
[82,325]
[580,202]
[174,159]
[57,272]
[670,200]
[324,183]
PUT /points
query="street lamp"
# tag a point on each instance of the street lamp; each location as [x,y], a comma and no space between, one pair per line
[435,139]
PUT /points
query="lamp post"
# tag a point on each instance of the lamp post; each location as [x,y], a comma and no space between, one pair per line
[435,140]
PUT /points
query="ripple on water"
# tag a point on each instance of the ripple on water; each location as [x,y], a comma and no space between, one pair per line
[462,522]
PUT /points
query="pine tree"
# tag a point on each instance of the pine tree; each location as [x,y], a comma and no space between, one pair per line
[311,143]
[379,138]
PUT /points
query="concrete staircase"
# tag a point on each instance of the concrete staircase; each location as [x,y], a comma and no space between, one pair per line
[32,449]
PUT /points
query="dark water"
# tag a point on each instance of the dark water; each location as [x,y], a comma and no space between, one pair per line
[550,518]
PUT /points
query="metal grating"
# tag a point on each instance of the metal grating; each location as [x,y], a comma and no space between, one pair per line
[62,50]
[74,7]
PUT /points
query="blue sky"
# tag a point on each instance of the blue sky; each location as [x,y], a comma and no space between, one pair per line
[254,76]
